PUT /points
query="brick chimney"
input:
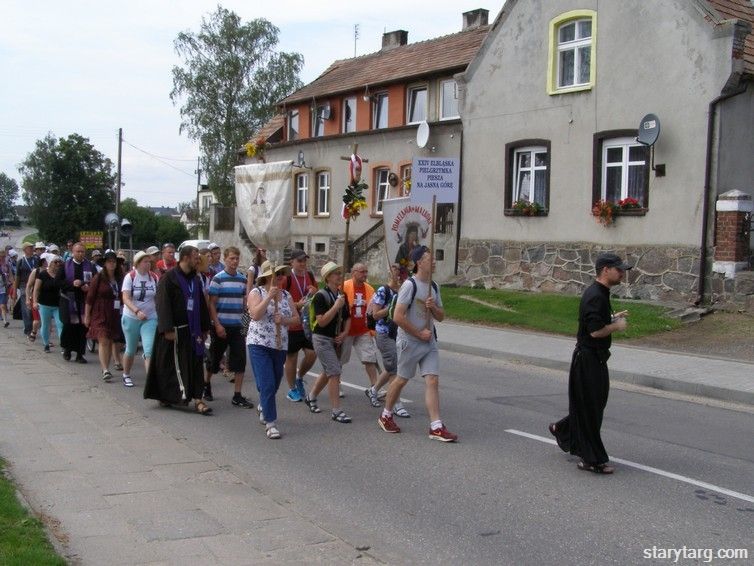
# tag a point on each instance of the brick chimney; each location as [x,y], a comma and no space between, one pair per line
[733,217]
[475,18]
[393,39]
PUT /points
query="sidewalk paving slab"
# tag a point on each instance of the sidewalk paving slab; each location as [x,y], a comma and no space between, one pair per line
[113,488]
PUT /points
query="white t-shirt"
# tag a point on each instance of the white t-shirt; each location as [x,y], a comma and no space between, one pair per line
[143,289]
[417,312]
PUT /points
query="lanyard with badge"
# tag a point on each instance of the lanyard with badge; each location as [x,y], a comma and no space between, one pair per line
[116,298]
[190,299]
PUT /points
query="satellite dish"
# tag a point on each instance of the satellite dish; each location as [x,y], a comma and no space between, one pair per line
[422,134]
[649,130]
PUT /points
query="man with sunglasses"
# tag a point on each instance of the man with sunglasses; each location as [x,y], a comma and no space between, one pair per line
[589,381]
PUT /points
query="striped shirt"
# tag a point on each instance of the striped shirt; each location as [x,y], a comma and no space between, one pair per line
[229,290]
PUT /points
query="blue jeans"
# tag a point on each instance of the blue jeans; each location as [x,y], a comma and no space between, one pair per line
[45,314]
[267,364]
[25,311]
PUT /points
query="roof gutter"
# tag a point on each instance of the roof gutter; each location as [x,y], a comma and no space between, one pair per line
[712,111]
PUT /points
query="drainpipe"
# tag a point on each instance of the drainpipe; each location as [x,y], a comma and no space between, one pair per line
[708,187]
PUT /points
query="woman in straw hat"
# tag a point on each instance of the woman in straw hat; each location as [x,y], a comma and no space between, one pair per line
[272,312]
[332,324]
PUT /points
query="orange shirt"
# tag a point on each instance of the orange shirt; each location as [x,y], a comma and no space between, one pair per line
[358,300]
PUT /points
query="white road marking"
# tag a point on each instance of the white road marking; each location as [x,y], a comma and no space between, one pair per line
[650,469]
[354,386]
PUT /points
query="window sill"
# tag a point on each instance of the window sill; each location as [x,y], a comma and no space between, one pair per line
[321,216]
[570,89]
[375,215]
[516,212]
[629,212]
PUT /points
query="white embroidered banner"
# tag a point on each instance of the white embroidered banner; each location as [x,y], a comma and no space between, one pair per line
[265,202]
[407,224]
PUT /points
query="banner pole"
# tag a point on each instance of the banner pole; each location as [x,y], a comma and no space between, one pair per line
[432,255]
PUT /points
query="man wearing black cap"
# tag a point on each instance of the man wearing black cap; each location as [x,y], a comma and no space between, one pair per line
[588,381]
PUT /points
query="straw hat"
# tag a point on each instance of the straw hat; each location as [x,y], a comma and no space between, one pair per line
[139,256]
[267,271]
[329,268]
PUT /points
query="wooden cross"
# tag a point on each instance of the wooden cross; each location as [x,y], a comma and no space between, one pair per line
[354,151]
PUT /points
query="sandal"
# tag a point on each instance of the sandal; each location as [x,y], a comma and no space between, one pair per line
[203,409]
[402,412]
[312,404]
[273,433]
[341,417]
[32,336]
[595,468]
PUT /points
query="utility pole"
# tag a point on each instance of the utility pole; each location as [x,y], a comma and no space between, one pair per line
[355,37]
[117,186]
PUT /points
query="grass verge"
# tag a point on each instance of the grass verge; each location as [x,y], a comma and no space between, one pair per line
[23,540]
[557,314]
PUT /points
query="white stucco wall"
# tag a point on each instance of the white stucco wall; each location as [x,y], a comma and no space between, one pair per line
[659,57]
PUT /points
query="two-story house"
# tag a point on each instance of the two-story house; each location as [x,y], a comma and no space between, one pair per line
[375,102]
[551,108]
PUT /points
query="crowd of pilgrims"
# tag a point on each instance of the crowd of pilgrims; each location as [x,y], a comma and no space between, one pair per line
[195,314]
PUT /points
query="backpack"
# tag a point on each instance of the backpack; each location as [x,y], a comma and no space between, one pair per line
[311,319]
[390,295]
[394,301]
[152,275]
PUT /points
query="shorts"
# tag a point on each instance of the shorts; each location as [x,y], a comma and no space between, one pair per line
[4,299]
[364,346]
[326,354]
[235,343]
[386,346]
[297,341]
[35,315]
[413,353]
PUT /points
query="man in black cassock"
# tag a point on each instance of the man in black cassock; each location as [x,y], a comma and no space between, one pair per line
[74,281]
[176,374]
[588,381]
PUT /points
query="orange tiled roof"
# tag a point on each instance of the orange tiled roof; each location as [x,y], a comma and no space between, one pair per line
[742,10]
[446,53]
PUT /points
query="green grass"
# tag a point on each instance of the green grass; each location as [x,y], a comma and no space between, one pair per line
[23,541]
[557,314]
[33,237]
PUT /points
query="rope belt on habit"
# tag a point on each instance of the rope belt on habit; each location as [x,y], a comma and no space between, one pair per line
[177,365]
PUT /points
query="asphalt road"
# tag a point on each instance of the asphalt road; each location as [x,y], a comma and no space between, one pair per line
[495,497]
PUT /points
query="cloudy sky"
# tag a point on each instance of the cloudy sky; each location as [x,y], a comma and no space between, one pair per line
[91,67]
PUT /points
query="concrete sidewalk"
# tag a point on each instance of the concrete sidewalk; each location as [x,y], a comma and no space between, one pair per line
[113,488]
[706,376]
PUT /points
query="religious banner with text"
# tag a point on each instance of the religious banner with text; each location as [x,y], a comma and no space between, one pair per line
[435,176]
[407,224]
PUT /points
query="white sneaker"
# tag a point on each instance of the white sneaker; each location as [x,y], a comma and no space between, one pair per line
[261,416]
[127,381]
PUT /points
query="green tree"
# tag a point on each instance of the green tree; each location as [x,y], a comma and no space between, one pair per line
[230,81]
[68,186]
[144,222]
[171,230]
[8,196]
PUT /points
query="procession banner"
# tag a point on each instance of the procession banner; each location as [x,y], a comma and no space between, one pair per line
[91,240]
[407,224]
[265,202]
[435,176]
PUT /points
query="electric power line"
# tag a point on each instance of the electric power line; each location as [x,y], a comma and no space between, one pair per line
[160,159]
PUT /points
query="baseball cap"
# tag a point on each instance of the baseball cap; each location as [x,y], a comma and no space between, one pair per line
[299,254]
[213,246]
[611,260]
[418,252]
[40,246]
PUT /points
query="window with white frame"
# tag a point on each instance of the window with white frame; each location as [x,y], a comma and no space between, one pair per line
[448,100]
[574,55]
[302,194]
[349,114]
[530,175]
[417,105]
[206,202]
[382,188]
[323,193]
[625,170]
[318,121]
[293,125]
[379,111]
